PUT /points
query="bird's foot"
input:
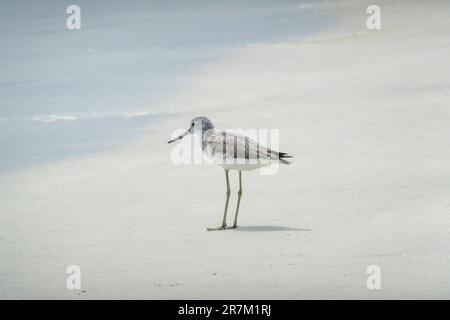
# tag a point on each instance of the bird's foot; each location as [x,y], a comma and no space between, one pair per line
[222,227]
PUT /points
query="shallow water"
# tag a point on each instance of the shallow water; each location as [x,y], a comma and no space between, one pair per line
[67,92]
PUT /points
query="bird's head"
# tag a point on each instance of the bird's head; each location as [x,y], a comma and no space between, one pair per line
[198,124]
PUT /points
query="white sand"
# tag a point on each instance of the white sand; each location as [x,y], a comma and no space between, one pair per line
[366,114]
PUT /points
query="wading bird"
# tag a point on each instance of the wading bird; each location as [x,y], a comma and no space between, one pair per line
[232,152]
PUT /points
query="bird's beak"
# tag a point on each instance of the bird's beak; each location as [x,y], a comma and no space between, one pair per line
[180,137]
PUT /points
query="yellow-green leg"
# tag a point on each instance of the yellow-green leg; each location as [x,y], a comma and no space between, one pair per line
[223,226]
[239,200]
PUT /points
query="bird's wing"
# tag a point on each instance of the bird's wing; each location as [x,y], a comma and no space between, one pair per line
[228,145]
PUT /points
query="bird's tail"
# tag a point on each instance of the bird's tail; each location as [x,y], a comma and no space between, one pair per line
[282,156]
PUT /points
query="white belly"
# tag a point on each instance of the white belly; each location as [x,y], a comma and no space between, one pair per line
[240,164]
[243,167]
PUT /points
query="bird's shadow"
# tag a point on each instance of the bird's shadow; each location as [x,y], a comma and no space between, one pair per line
[267,228]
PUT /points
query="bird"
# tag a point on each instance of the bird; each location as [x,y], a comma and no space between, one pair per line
[231,151]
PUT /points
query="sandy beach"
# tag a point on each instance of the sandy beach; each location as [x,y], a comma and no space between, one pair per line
[366,115]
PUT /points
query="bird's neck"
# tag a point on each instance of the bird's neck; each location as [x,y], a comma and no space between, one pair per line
[207,131]
[205,135]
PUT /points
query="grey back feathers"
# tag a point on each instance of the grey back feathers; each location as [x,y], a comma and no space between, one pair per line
[228,146]
[231,146]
